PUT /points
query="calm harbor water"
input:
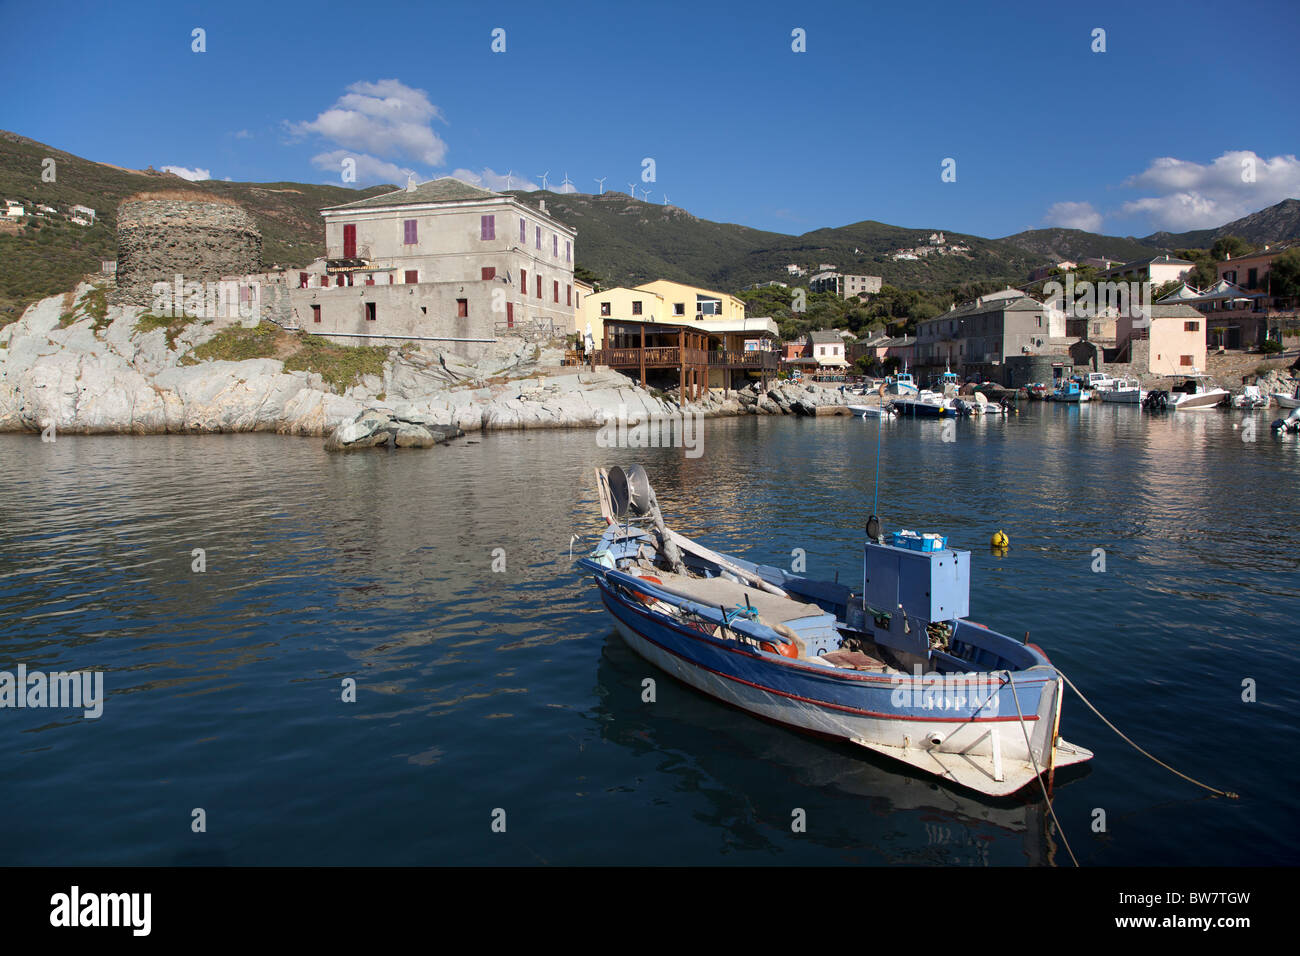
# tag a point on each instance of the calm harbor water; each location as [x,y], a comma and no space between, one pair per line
[480,690]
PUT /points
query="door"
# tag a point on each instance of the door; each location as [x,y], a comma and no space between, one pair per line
[350,242]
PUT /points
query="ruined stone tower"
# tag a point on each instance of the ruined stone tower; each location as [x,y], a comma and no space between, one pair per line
[164,234]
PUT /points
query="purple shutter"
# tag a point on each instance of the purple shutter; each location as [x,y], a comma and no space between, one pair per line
[539,237]
[555,245]
[488,227]
[568,251]
[523,230]
[411,234]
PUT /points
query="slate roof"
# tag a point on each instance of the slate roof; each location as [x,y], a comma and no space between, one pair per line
[826,337]
[447,189]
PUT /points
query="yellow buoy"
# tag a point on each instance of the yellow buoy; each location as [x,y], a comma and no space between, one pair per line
[1000,539]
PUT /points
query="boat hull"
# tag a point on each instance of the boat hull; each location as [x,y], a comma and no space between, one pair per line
[1286,401]
[980,743]
[1127,396]
[1201,400]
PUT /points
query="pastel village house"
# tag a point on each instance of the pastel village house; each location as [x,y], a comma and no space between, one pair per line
[664,330]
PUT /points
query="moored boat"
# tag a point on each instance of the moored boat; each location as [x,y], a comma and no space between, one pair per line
[924,405]
[1123,391]
[1196,393]
[894,666]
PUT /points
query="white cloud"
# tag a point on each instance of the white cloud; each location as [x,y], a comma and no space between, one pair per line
[193,175]
[368,168]
[489,178]
[1074,215]
[243,134]
[386,119]
[1190,195]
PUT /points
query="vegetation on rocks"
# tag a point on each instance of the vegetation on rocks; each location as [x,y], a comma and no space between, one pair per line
[341,366]
[173,325]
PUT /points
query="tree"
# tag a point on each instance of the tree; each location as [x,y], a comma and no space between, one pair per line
[1229,247]
[1284,274]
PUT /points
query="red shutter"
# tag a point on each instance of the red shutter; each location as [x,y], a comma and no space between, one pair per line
[523,280]
[462,308]
[539,287]
[412,276]
[489,272]
[555,291]
[510,315]
[315,313]
[568,294]
[302,280]
[349,242]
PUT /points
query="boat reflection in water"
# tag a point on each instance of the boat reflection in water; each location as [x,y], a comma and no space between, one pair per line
[866,809]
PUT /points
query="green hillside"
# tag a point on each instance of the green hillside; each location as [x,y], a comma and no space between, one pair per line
[49,256]
[1074,244]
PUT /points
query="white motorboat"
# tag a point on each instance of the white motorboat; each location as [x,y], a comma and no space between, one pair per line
[1196,392]
[870,411]
[1287,401]
[1250,397]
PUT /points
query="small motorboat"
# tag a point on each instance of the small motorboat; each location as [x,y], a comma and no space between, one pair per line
[1196,393]
[1287,401]
[1123,391]
[893,666]
[1250,397]
[924,404]
[871,411]
[1070,392]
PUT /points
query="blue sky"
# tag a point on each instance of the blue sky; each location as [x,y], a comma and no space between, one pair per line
[1150,134]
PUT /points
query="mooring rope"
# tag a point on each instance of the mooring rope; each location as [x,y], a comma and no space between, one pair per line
[1038,774]
[1223,793]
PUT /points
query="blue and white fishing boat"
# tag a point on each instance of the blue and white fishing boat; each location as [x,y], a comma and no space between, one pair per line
[1069,392]
[901,384]
[893,666]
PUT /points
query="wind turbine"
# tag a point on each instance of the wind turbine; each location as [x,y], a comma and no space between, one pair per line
[567,182]
[645,195]
[510,178]
[544,175]
[601,183]
[631,190]
[665,199]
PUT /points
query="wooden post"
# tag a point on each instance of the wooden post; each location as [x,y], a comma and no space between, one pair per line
[643,355]
[681,364]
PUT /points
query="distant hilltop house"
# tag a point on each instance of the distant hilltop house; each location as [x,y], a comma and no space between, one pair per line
[770,285]
[14,210]
[1157,270]
[82,212]
[1042,272]
[845,285]
[795,270]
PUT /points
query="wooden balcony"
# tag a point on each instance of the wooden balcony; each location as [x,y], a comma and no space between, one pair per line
[671,357]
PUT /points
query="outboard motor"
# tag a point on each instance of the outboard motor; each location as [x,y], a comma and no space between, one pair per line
[631,495]
[1157,400]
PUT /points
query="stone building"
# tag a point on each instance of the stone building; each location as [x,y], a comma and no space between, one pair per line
[444,262]
[191,234]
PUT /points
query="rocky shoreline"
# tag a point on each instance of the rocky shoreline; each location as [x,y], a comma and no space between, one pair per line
[88,372]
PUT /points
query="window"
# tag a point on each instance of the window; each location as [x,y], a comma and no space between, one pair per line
[409,232]
[555,245]
[1252,278]
[636,307]
[324,281]
[555,291]
[1184,360]
[488,227]
[302,280]
[523,280]
[462,308]
[523,230]
[349,242]
[539,237]
[315,313]
[1191,326]
[539,287]
[488,272]
[604,309]
[370,279]
[679,308]
[370,312]
[568,294]
[568,251]
[412,276]
[510,315]
[338,282]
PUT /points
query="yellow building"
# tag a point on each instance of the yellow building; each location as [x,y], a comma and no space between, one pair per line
[658,301]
